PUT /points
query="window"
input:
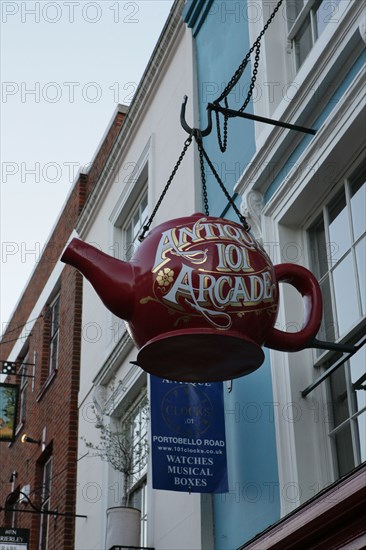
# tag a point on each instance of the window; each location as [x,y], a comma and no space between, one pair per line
[11,517]
[132,228]
[348,420]
[54,335]
[338,247]
[138,499]
[45,505]
[306,20]
[135,426]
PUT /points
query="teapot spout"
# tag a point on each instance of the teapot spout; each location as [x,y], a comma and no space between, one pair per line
[112,279]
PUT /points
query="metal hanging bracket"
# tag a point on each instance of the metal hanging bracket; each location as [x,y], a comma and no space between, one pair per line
[35,510]
[231,113]
[195,131]
[10,368]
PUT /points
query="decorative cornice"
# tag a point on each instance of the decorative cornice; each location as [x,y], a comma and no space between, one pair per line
[279,143]
[252,207]
[122,390]
[340,119]
[114,360]
[195,12]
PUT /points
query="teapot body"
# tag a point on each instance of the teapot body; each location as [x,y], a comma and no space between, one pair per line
[200,297]
[204,288]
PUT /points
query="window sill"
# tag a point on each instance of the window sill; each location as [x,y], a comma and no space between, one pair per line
[46,385]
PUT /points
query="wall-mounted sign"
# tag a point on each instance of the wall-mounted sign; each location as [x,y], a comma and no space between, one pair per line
[201,298]
[8,410]
[14,539]
[188,436]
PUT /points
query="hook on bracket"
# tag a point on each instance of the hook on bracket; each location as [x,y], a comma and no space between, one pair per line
[194,131]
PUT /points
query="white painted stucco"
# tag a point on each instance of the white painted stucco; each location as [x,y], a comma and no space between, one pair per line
[155,136]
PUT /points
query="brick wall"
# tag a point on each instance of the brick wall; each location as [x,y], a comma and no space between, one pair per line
[52,399]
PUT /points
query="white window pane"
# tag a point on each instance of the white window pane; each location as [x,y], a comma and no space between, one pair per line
[345,295]
[339,236]
[358,372]
[144,205]
[54,353]
[55,316]
[129,237]
[136,224]
[326,14]
[358,207]
[361,271]
[293,8]
[319,249]
[339,395]
[361,422]
[328,326]
[303,42]
[132,230]
[129,243]
[343,441]
[47,479]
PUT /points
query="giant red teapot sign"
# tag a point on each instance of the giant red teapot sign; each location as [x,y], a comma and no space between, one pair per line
[200,297]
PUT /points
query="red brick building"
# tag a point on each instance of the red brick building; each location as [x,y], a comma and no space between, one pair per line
[43,339]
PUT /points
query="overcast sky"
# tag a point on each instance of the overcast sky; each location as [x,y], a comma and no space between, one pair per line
[65,65]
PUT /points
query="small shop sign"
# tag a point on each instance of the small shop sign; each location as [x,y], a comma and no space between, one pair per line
[14,539]
[8,410]
[188,436]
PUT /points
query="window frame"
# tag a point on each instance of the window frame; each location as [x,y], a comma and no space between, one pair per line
[54,339]
[45,504]
[352,334]
[135,185]
[138,481]
[140,405]
[323,216]
[140,209]
[286,220]
[120,406]
[133,191]
[307,12]
[141,485]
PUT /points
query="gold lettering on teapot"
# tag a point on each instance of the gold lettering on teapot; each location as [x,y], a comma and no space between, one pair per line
[231,283]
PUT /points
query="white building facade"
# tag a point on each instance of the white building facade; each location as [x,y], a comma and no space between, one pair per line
[135,174]
[305,198]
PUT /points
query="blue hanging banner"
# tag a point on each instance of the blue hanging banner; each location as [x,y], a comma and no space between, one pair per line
[188,436]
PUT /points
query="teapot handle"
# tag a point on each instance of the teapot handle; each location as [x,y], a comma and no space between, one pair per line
[305,282]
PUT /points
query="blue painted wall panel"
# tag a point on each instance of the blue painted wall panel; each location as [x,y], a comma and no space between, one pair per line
[221,32]
[252,504]
[221,44]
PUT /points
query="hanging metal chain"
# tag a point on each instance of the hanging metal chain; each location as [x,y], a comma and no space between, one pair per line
[222,185]
[245,61]
[145,228]
[222,142]
[203,176]
[254,77]
[238,73]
